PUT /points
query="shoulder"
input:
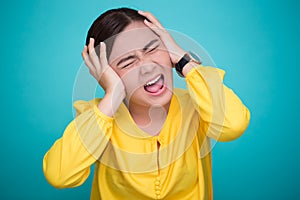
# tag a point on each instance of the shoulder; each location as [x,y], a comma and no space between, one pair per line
[83,105]
[180,93]
[183,97]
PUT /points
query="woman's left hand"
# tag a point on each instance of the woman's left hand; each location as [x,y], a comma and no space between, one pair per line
[175,52]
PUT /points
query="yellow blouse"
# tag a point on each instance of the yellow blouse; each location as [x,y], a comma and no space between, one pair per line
[128,162]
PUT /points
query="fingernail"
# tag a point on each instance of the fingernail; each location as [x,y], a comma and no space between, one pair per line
[139,11]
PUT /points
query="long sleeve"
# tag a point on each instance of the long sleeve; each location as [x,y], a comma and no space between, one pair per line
[67,163]
[223,116]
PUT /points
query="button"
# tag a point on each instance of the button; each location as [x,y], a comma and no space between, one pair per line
[158,178]
[157,192]
[158,196]
[157,182]
[157,187]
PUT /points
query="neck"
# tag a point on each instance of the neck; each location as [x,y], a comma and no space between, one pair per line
[149,119]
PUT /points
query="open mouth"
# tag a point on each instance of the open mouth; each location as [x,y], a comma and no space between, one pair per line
[156,85]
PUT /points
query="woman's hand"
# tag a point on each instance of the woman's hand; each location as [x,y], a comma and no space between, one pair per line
[106,77]
[100,69]
[175,52]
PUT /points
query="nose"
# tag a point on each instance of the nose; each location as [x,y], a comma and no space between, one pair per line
[146,64]
[146,68]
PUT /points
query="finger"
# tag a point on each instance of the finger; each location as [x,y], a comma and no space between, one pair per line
[91,45]
[87,61]
[103,58]
[93,73]
[93,56]
[153,27]
[86,58]
[151,17]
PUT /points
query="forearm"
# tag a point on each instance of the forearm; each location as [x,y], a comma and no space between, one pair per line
[188,67]
[236,116]
[222,114]
[67,163]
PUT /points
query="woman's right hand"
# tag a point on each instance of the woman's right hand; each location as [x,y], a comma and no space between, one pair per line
[105,76]
[100,69]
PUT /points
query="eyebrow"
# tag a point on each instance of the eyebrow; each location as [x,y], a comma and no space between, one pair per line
[132,56]
[149,44]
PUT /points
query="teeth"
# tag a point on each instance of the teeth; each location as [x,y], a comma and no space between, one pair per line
[153,81]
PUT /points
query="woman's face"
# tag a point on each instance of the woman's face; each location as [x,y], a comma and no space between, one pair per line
[140,58]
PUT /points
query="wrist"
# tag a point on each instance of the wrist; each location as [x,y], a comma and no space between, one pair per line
[185,64]
[116,86]
[189,66]
[117,92]
[110,103]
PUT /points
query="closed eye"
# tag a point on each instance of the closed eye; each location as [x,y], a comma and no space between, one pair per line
[127,65]
[151,49]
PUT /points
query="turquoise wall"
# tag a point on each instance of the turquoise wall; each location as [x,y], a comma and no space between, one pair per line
[255,42]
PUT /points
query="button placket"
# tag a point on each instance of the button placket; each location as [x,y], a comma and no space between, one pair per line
[157,187]
[154,144]
[161,139]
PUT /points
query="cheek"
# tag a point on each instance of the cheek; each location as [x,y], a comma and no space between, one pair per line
[162,57]
[130,80]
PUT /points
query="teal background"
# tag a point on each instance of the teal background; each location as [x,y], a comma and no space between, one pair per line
[255,42]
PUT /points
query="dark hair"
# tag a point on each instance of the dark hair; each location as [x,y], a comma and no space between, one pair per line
[109,24]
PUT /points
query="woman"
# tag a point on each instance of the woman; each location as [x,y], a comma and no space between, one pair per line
[146,139]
